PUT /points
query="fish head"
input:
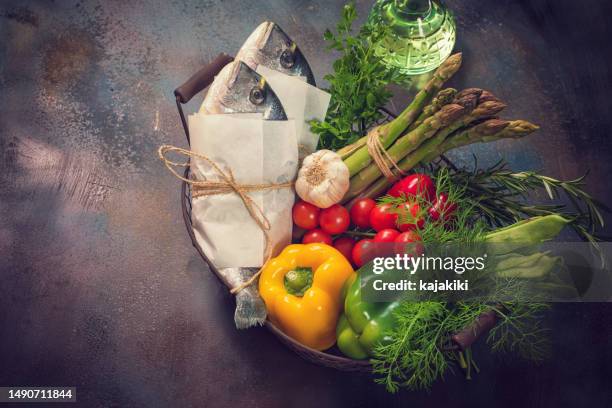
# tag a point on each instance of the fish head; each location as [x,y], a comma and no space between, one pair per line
[271,47]
[239,89]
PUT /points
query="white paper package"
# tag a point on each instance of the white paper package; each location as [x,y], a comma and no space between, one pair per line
[257,152]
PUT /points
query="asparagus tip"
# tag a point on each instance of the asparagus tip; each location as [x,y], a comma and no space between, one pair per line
[487,96]
[468,100]
[445,96]
[491,127]
[521,127]
[489,108]
[449,113]
[450,66]
[469,91]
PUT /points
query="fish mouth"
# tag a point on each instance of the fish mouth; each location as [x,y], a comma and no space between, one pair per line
[274,108]
[304,67]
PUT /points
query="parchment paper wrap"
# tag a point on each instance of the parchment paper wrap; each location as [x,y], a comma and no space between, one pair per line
[257,152]
[302,102]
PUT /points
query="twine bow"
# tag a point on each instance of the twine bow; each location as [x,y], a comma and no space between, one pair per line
[226,185]
[380,156]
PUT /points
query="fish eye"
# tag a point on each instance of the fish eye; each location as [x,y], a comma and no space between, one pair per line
[257,96]
[287,59]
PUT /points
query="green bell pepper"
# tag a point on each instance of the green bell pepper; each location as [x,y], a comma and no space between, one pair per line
[363,325]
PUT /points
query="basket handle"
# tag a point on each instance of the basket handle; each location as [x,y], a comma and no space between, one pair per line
[198,82]
[201,79]
[482,325]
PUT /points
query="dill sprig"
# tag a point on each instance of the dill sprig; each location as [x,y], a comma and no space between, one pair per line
[413,359]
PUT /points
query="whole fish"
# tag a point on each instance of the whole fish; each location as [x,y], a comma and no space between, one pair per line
[239,89]
[269,46]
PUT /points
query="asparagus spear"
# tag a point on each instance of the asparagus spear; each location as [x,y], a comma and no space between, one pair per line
[444,97]
[490,130]
[347,150]
[485,132]
[407,143]
[389,132]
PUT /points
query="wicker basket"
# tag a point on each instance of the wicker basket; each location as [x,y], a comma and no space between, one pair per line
[331,358]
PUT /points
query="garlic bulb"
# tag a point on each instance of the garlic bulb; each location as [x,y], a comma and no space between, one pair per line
[323,179]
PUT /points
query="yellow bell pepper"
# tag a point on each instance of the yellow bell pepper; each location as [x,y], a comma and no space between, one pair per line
[302,290]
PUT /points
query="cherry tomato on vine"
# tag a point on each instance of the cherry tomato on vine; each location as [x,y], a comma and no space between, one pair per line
[383,217]
[360,212]
[335,219]
[409,242]
[305,215]
[318,236]
[386,235]
[345,246]
[415,185]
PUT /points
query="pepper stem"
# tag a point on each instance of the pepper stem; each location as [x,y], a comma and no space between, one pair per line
[298,281]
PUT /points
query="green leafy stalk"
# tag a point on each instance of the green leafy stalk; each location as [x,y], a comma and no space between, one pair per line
[357,85]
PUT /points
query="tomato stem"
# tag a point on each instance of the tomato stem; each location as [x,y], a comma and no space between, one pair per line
[360,233]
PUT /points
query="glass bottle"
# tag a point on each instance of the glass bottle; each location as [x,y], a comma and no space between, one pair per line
[422,34]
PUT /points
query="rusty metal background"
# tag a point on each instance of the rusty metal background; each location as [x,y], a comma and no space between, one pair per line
[99,286]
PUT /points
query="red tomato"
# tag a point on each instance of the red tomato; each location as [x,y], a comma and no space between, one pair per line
[363,252]
[442,209]
[384,240]
[411,217]
[360,212]
[409,242]
[305,215]
[345,246]
[383,217]
[386,235]
[415,185]
[335,219]
[318,236]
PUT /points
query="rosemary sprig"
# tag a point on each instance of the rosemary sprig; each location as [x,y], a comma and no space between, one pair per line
[499,195]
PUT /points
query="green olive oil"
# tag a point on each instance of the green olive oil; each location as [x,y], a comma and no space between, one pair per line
[422,34]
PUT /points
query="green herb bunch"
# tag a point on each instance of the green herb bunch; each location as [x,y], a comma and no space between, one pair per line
[420,351]
[357,84]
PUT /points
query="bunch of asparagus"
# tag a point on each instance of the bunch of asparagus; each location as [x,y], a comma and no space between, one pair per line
[436,121]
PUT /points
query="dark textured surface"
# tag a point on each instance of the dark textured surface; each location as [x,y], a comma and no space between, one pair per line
[99,286]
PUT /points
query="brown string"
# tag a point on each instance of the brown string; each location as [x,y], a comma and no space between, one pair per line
[380,156]
[204,188]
